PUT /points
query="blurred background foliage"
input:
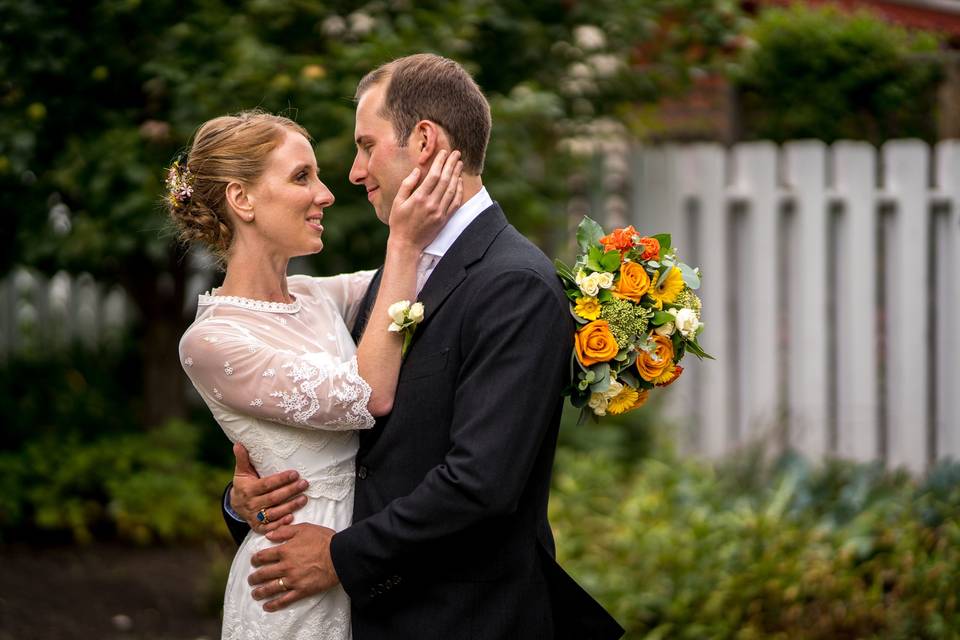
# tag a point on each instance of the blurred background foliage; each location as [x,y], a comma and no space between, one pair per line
[102,443]
[829,75]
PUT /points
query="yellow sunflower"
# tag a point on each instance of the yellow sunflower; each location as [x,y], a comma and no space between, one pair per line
[668,290]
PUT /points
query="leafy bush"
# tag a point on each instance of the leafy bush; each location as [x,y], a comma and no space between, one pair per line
[139,487]
[824,73]
[677,548]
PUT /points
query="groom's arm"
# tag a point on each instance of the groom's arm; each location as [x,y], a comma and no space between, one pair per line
[516,341]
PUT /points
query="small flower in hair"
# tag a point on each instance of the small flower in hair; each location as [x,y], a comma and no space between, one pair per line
[179,182]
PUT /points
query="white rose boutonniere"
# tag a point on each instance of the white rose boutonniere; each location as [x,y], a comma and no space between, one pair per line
[405,318]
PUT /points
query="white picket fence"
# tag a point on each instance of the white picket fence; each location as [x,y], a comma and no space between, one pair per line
[41,313]
[831,292]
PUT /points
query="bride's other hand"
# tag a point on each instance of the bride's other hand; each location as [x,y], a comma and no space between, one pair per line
[420,212]
[278,495]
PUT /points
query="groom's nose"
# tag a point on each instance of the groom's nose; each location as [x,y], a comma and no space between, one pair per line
[358,171]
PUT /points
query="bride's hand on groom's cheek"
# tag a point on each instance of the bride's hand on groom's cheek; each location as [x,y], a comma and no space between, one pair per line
[421,209]
[298,568]
[277,495]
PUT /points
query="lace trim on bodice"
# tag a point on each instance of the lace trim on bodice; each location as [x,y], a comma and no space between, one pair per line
[211,297]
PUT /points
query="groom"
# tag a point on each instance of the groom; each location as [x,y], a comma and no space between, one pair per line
[450,537]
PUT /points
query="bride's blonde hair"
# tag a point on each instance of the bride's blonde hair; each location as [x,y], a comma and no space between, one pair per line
[232,148]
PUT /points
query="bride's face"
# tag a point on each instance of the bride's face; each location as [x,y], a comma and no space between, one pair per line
[288,200]
[380,164]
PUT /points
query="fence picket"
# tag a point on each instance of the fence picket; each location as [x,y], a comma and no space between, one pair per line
[947,304]
[808,324]
[858,415]
[906,164]
[753,290]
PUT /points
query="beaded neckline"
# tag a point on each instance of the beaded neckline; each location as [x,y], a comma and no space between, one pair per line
[249,303]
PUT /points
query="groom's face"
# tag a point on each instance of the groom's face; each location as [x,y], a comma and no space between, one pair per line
[381,164]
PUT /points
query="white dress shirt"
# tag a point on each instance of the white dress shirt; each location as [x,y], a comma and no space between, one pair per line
[459,221]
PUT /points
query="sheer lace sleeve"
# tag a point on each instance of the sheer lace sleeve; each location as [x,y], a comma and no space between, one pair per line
[312,389]
[346,291]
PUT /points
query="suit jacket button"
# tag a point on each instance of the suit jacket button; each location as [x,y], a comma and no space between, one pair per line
[362,472]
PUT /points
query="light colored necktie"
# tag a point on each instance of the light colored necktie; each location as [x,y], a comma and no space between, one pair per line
[424,268]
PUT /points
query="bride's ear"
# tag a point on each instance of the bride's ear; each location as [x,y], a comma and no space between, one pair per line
[428,138]
[239,201]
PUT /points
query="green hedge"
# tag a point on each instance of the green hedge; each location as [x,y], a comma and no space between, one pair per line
[144,488]
[827,74]
[679,549]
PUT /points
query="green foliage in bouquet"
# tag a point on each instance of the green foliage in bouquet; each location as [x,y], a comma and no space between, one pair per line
[679,549]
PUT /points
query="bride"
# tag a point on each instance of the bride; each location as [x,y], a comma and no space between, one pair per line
[272,355]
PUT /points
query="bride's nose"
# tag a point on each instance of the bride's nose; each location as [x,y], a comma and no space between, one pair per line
[323,197]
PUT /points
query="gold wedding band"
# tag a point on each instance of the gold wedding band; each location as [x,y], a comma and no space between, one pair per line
[280,582]
[262,516]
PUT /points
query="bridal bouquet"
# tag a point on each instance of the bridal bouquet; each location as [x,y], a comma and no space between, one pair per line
[637,313]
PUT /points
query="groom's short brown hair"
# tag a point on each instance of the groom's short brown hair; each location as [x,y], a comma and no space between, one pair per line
[430,87]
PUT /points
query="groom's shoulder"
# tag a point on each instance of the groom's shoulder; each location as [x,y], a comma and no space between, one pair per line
[512,252]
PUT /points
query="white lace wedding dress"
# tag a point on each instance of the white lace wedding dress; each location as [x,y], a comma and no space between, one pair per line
[282,380]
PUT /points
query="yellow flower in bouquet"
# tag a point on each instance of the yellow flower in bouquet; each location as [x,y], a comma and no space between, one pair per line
[667,290]
[587,308]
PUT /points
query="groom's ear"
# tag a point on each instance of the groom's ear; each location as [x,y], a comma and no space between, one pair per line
[427,139]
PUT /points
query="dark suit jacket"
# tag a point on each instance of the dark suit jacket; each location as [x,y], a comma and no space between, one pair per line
[450,537]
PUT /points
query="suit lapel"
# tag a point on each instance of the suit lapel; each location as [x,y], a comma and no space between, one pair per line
[452,268]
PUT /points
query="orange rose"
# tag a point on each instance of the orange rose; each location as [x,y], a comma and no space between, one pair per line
[651,248]
[633,283]
[594,343]
[620,239]
[651,365]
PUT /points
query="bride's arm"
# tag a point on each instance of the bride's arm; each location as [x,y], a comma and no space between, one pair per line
[417,215]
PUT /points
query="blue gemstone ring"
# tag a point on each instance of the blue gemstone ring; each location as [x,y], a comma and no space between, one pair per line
[262,516]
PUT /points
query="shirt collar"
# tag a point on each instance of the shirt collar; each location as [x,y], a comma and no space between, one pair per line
[459,221]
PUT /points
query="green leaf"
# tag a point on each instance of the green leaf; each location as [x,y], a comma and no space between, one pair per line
[696,350]
[604,295]
[610,261]
[588,234]
[564,272]
[662,317]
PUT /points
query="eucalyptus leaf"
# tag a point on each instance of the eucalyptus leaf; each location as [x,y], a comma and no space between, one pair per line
[600,386]
[690,276]
[600,370]
[630,378]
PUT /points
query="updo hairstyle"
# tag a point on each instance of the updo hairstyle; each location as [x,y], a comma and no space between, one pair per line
[225,149]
